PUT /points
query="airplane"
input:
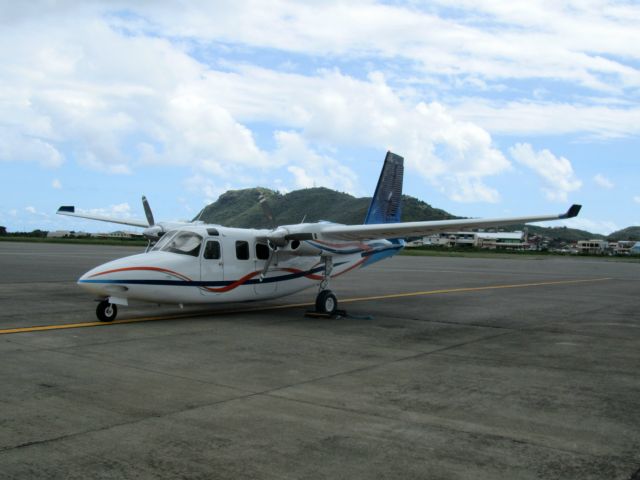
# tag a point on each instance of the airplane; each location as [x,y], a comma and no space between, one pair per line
[199,263]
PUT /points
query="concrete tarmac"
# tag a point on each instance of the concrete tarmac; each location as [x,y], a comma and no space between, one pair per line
[518,368]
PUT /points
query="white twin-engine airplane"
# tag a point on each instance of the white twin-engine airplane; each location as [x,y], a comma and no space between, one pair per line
[201,263]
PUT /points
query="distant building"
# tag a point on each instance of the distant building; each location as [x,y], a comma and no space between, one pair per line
[502,240]
[66,234]
[635,250]
[3,230]
[489,240]
[116,234]
[622,247]
[58,234]
[597,247]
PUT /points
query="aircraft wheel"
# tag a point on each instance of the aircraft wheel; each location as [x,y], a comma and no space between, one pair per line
[326,302]
[106,311]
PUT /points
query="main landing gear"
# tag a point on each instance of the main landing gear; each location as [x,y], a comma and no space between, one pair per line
[106,311]
[326,301]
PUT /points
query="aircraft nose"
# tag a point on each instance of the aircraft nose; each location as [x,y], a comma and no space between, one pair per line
[86,282]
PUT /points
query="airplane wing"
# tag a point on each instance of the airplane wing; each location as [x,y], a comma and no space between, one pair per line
[71,212]
[416,229]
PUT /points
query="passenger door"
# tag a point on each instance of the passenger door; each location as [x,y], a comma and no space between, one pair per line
[211,266]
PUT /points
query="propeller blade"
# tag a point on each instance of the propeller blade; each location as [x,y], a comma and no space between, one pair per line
[147,211]
[265,270]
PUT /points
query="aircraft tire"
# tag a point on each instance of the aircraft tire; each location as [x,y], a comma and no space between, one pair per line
[326,302]
[106,312]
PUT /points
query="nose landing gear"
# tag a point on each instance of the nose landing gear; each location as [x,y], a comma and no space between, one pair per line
[106,312]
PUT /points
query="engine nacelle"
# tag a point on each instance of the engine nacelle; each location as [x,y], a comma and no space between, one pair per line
[303,249]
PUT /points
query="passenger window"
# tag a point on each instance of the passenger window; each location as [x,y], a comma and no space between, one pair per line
[262,251]
[242,250]
[212,250]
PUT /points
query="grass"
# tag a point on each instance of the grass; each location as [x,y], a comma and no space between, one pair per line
[77,241]
[532,255]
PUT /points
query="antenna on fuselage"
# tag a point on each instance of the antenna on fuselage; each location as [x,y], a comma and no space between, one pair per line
[266,210]
[199,216]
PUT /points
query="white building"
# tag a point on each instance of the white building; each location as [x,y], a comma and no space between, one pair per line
[490,240]
[597,247]
[622,247]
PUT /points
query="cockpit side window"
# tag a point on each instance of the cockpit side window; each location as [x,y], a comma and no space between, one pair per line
[185,243]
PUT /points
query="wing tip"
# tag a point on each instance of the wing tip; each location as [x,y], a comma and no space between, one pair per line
[573,211]
[67,209]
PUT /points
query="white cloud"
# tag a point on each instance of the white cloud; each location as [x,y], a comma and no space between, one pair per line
[311,169]
[18,146]
[205,186]
[636,199]
[548,118]
[31,209]
[603,181]
[487,40]
[55,183]
[119,210]
[557,172]
[113,100]
[332,109]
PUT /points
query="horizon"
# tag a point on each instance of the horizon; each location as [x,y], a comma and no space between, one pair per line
[497,111]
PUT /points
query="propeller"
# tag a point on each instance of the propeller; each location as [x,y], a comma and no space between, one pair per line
[147,211]
[153,232]
[273,246]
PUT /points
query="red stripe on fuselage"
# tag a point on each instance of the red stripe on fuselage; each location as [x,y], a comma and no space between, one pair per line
[153,269]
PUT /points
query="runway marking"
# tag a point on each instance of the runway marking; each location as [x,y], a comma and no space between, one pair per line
[41,328]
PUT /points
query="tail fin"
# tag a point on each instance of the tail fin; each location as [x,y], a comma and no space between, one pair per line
[386,204]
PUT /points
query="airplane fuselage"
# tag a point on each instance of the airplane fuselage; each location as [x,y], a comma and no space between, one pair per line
[227,265]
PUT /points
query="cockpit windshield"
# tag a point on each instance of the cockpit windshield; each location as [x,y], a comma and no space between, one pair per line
[185,243]
[163,240]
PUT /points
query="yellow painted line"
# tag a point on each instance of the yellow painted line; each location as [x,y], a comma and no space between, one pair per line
[41,328]
[475,289]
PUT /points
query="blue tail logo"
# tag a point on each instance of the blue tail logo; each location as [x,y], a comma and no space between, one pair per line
[386,204]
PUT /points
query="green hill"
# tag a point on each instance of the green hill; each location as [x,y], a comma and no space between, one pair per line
[629,233]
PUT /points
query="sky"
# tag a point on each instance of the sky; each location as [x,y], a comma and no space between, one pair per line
[499,108]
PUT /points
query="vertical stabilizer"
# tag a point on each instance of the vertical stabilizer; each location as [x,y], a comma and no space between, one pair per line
[386,204]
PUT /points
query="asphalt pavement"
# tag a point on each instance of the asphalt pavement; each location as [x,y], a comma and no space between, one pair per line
[446,368]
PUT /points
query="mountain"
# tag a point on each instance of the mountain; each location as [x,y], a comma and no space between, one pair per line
[241,208]
[629,233]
